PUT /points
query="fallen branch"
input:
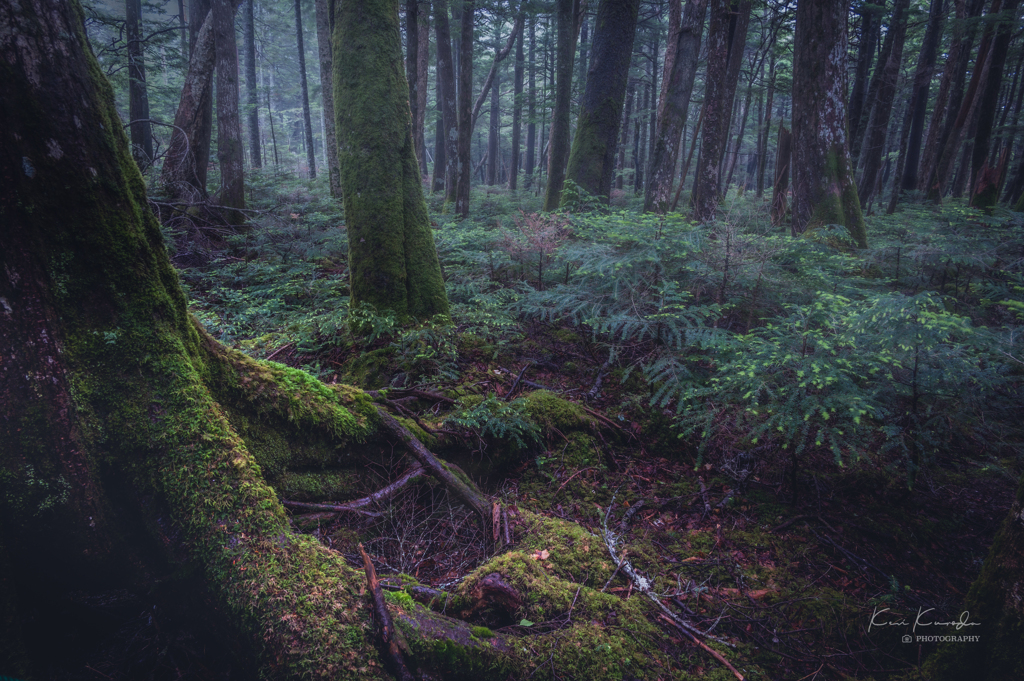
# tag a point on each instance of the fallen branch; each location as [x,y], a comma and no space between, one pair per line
[358,505]
[424,394]
[508,395]
[277,352]
[714,653]
[386,632]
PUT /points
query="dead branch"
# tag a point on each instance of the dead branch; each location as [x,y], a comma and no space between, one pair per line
[386,632]
[508,395]
[358,505]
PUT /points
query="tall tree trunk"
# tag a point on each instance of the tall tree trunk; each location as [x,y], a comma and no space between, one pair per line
[766,126]
[675,20]
[184,32]
[229,121]
[870,30]
[724,43]
[640,148]
[412,72]
[201,134]
[986,195]
[558,144]
[465,109]
[449,105]
[517,113]
[440,145]
[394,264]
[138,97]
[739,22]
[252,105]
[780,187]
[592,159]
[531,109]
[919,96]
[493,127]
[881,109]
[306,118]
[824,191]
[624,142]
[419,122]
[675,106]
[957,125]
[324,31]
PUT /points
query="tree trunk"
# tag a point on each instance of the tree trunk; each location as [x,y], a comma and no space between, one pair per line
[440,144]
[823,188]
[640,142]
[419,121]
[675,106]
[393,262]
[138,97]
[724,42]
[493,129]
[324,31]
[592,159]
[870,29]
[306,119]
[987,196]
[230,157]
[967,107]
[412,72]
[449,115]
[780,187]
[919,97]
[624,142]
[517,112]
[465,109]
[531,109]
[252,106]
[881,109]
[558,143]
[766,126]
[184,170]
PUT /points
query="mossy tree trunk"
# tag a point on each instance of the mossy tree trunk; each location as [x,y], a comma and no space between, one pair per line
[592,159]
[133,445]
[824,191]
[393,262]
[675,107]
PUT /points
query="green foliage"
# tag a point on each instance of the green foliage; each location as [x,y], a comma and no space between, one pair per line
[494,418]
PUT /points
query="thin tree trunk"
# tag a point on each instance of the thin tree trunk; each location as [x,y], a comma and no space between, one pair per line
[675,106]
[531,109]
[870,30]
[412,72]
[919,99]
[641,141]
[558,145]
[440,145]
[449,105]
[987,194]
[592,160]
[780,187]
[200,140]
[422,66]
[878,122]
[517,113]
[624,142]
[824,191]
[675,20]
[306,118]
[766,126]
[252,105]
[465,111]
[229,124]
[138,97]
[324,33]
[492,134]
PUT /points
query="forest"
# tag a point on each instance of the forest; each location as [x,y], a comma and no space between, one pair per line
[512,339]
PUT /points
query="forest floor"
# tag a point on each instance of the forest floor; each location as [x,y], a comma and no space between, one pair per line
[816,567]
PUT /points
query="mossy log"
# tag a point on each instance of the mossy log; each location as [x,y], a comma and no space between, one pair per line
[133,445]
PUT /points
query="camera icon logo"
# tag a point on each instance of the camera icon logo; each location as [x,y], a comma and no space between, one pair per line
[907,638]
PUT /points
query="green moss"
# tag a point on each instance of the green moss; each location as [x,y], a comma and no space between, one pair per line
[400,598]
[318,485]
[551,411]
[482,632]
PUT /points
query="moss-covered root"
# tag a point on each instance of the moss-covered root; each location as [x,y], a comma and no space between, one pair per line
[996,602]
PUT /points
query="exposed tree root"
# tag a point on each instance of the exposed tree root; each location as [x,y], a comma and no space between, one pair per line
[359,505]
[386,633]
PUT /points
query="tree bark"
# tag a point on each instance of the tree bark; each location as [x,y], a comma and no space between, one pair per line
[449,107]
[306,118]
[624,142]
[824,191]
[324,31]
[592,159]
[393,261]
[517,110]
[493,127]
[230,156]
[412,72]
[440,146]
[252,106]
[558,142]
[465,110]
[675,106]
[419,121]
[870,29]
[881,109]
[919,97]
[138,97]
[531,109]
[766,126]
[724,43]
[988,101]
[780,187]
